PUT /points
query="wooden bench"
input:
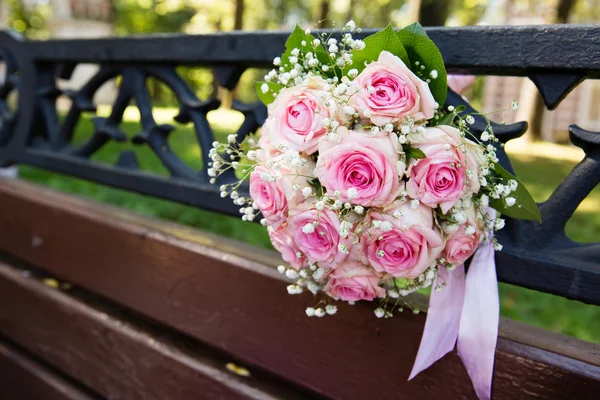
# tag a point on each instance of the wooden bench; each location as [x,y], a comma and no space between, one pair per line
[97,302]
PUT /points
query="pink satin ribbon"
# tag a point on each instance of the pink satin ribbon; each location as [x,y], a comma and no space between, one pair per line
[467,310]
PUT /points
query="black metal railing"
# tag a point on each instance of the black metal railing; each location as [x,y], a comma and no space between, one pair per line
[555,58]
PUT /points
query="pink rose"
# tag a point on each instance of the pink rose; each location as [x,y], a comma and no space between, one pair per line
[474,158]
[296,116]
[353,281]
[290,252]
[269,197]
[265,143]
[320,244]
[366,164]
[460,83]
[386,91]
[411,245]
[462,244]
[440,178]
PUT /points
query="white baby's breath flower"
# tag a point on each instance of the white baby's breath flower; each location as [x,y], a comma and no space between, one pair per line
[499,224]
[510,201]
[397,214]
[379,312]
[308,228]
[485,136]
[264,88]
[433,74]
[307,191]
[513,185]
[319,312]
[469,230]
[330,309]
[291,273]
[484,200]
[386,226]
[450,228]
[352,193]
[460,218]
[310,311]
[277,61]
[281,269]
[359,209]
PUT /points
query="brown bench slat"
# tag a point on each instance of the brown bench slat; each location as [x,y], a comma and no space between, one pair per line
[227,295]
[106,354]
[24,378]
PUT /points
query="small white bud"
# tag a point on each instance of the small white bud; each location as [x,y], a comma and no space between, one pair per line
[499,224]
[291,273]
[379,312]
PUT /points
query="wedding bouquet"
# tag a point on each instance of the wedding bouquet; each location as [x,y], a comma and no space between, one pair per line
[370,189]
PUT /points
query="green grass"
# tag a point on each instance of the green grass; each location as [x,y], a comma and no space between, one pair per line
[540,174]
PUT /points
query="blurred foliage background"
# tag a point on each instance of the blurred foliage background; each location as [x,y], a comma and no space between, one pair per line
[542,166]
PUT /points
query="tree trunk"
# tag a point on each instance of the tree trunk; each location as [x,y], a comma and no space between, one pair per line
[434,12]
[563,10]
[238,23]
[324,13]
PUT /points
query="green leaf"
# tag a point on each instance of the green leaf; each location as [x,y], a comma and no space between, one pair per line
[422,49]
[524,208]
[385,39]
[267,98]
[413,152]
[316,185]
[295,41]
[448,117]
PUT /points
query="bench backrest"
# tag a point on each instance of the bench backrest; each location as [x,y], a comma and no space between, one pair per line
[209,301]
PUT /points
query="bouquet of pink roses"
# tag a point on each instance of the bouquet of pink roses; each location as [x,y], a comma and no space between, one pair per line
[371,190]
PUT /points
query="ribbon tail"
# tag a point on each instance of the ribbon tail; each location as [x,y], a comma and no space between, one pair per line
[443,319]
[478,331]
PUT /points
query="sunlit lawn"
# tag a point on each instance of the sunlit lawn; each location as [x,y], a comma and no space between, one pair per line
[540,173]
